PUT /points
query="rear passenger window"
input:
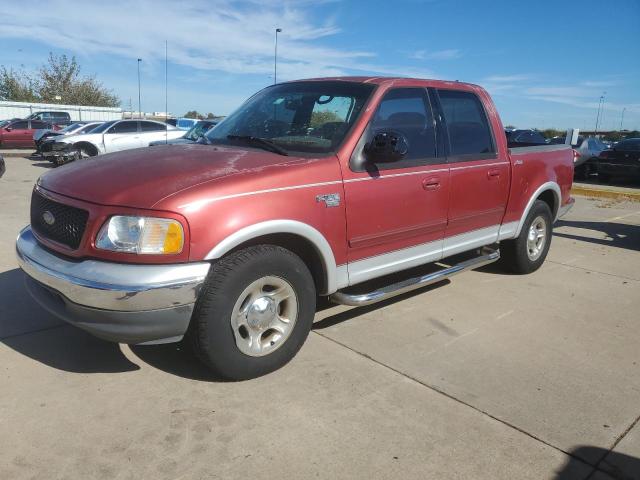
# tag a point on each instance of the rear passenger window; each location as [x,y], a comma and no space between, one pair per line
[152,127]
[469,132]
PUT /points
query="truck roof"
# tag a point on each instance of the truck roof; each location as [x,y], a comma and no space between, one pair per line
[399,80]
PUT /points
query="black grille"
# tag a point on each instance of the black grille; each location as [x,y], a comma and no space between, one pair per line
[57,222]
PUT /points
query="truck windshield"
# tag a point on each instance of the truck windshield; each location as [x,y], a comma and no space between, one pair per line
[299,117]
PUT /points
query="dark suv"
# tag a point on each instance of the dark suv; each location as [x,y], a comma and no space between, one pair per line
[59,118]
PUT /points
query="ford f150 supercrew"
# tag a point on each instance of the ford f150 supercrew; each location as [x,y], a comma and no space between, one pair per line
[311,188]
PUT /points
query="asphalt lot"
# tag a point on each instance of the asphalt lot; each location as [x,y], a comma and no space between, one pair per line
[489,376]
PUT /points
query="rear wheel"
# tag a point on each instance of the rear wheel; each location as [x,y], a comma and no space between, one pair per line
[254,313]
[527,252]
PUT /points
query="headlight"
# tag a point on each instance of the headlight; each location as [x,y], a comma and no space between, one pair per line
[146,235]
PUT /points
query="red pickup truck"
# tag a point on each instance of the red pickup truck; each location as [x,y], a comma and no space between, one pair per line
[311,188]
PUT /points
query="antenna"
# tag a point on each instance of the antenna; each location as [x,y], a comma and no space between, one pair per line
[166,94]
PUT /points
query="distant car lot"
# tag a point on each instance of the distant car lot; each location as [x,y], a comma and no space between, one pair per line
[489,376]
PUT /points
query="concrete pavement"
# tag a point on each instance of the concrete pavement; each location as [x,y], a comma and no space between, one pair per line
[488,376]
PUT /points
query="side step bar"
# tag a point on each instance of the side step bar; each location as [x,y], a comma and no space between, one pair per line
[487,255]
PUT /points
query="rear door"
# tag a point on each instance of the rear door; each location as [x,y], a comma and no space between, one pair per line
[479,174]
[122,136]
[397,211]
[150,131]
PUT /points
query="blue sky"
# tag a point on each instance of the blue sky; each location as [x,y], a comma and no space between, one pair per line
[546,63]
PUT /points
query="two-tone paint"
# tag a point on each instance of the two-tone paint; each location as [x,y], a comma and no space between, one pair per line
[226,197]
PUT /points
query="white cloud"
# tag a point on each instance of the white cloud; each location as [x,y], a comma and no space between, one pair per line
[230,36]
[447,54]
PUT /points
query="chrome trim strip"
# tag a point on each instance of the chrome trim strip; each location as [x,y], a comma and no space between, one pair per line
[507,230]
[357,300]
[111,286]
[393,175]
[304,230]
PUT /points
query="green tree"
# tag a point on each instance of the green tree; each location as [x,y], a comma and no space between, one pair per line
[552,132]
[58,81]
[193,114]
[322,117]
[17,86]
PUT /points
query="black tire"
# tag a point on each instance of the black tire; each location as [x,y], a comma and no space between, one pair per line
[514,254]
[85,150]
[211,333]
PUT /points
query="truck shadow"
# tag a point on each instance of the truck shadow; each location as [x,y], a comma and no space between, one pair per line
[617,465]
[28,329]
[620,235]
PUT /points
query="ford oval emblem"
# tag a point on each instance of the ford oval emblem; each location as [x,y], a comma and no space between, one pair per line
[48,218]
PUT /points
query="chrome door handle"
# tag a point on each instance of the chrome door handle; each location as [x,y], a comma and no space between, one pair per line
[493,173]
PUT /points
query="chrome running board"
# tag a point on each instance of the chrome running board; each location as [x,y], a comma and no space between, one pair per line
[487,255]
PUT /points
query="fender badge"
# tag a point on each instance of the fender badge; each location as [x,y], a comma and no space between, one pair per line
[330,199]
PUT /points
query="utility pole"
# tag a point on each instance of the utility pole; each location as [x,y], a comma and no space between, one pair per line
[275,58]
[622,118]
[600,104]
[139,96]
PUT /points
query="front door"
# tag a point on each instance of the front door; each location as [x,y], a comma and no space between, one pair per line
[479,174]
[17,134]
[396,210]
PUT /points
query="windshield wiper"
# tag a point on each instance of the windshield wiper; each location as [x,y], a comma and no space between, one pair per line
[259,142]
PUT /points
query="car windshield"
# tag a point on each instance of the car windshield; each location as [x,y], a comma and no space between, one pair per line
[102,128]
[198,130]
[301,117]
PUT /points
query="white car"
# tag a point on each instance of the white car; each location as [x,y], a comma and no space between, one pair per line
[115,136]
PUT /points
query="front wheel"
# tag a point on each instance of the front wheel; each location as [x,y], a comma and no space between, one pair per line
[254,312]
[527,252]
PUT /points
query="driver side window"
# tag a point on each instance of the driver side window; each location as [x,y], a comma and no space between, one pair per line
[406,111]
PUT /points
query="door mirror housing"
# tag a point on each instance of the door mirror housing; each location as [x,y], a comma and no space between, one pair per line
[386,146]
[8,129]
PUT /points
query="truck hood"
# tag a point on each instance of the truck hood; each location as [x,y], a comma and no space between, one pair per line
[142,177]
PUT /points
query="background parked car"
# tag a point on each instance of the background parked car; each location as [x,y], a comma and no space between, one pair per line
[41,137]
[19,133]
[186,123]
[59,118]
[524,138]
[110,137]
[587,152]
[623,160]
[192,136]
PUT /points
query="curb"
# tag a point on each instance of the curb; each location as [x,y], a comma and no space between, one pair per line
[606,193]
[14,154]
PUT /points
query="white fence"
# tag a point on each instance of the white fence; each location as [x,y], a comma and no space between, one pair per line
[10,109]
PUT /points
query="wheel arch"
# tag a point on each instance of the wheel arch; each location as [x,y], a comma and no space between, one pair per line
[302,239]
[84,143]
[549,193]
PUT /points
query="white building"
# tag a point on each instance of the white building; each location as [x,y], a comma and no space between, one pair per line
[9,109]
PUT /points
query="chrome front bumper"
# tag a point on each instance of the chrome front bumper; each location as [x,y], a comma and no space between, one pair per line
[119,302]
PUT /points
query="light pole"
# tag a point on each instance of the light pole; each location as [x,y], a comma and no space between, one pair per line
[139,96]
[622,118]
[275,58]
[600,104]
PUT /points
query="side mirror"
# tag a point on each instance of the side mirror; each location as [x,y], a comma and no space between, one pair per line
[386,146]
[8,129]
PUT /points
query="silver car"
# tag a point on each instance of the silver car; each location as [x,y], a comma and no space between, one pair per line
[587,151]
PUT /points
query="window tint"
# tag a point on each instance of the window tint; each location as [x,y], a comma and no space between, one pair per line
[19,125]
[127,126]
[629,145]
[152,127]
[467,124]
[407,110]
[88,128]
[36,124]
